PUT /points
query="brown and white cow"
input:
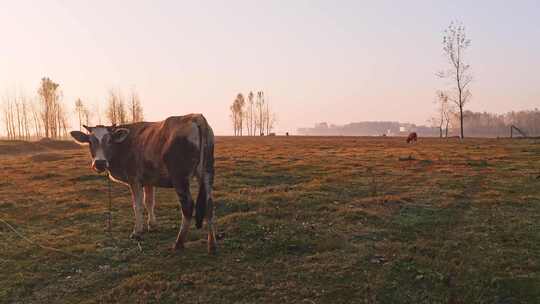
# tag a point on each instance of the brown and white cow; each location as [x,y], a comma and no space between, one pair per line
[413,137]
[145,155]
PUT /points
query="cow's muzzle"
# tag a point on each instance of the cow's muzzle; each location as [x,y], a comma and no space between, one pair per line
[100,165]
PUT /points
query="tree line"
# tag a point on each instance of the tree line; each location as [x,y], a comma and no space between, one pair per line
[485,124]
[44,117]
[47,116]
[121,110]
[477,124]
[253,115]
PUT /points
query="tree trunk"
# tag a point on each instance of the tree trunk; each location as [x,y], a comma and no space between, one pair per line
[46,120]
[461,120]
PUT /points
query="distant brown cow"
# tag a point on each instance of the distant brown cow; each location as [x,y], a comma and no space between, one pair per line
[146,155]
[413,137]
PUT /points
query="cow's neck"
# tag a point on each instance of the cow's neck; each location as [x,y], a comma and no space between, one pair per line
[119,164]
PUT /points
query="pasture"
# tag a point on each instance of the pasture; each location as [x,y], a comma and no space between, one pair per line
[299,220]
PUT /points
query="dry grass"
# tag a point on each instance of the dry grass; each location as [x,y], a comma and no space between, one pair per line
[303,220]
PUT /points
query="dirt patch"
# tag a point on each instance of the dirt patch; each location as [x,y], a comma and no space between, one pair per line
[58,144]
[85,178]
[47,157]
[45,176]
[5,184]
[16,147]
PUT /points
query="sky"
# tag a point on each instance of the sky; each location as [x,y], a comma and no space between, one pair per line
[334,61]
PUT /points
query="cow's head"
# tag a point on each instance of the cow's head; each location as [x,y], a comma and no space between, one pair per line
[101,140]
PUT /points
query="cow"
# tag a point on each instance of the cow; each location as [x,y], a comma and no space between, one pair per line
[146,155]
[413,137]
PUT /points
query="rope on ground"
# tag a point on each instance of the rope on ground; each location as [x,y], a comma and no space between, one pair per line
[109,212]
[109,216]
[37,244]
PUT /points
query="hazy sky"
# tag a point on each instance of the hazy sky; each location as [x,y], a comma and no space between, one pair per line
[335,61]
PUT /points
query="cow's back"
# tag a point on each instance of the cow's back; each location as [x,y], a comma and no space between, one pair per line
[181,126]
[150,145]
[154,136]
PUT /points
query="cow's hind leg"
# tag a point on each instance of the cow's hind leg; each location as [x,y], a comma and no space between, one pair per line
[212,245]
[186,202]
[150,203]
[204,200]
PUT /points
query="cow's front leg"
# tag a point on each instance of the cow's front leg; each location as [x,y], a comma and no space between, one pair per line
[186,203]
[150,202]
[137,197]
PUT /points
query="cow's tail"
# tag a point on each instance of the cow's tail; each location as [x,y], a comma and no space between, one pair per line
[206,174]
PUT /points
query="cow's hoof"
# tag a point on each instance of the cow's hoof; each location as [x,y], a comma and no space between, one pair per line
[212,247]
[178,246]
[137,236]
[152,227]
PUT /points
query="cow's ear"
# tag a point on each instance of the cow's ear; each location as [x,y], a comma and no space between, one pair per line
[80,137]
[120,134]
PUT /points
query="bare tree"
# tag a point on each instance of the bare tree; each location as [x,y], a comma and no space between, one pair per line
[260,110]
[448,113]
[5,118]
[52,114]
[269,118]
[8,117]
[62,121]
[86,116]
[444,113]
[272,120]
[240,103]
[135,108]
[234,118]
[18,114]
[79,110]
[112,107]
[22,118]
[116,109]
[36,121]
[25,108]
[237,114]
[251,114]
[11,119]
[455,43]
[121,111]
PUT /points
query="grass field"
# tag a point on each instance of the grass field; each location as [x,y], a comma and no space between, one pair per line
[300,220]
